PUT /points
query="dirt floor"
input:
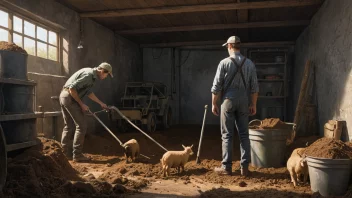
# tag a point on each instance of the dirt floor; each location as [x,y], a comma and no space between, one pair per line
[43,171]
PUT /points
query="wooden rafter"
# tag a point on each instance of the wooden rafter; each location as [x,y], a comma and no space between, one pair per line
[217,43]
[201,8]
[242,17]
[216,27]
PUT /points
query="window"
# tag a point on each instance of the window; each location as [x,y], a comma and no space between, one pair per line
[36,39]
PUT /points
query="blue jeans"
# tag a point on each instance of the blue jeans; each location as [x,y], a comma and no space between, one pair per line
[234,112]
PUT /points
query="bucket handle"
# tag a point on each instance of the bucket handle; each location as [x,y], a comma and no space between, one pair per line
[254,120]
[292,137]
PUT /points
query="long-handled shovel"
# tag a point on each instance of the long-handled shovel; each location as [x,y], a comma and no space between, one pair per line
[201,135]
[124,117]
[111,133]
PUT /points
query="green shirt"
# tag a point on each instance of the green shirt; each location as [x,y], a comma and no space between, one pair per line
[82,81]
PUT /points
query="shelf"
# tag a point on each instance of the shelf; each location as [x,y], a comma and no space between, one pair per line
[269,64]
[270,50]
[49,114]
[11,117]
[271,97]
[17,81]
[12,147]
[271,80]
[274,107]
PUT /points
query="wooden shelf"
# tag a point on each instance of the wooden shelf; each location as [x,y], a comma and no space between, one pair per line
[11,117]
[271,97]
[269,64]
[12,147]
[17,81]
[275,107]
[271,50]
[264,59]
[271,80]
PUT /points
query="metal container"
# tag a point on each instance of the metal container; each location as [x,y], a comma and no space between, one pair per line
[2,98]
[329,177]
[18,131]
[268,146]
[3,159]
[18,98]
[279,59]
[13,65]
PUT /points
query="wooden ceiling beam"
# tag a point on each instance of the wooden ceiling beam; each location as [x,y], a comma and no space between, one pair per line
[201,8]
[216,27]
[217,44]
[242,17]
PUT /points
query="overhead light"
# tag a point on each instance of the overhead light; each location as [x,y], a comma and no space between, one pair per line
[80,45]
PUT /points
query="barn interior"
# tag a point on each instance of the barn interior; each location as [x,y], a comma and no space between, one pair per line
[164,56]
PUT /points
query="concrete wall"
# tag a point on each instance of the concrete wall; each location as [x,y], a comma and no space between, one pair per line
[327,42]
[198,69]
[100,45]
[194,73]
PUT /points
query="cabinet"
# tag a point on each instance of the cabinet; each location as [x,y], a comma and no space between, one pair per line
[272,73]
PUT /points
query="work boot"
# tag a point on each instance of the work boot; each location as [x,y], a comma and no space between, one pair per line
[245,172]
[68,155]
[222,171]
[80,158]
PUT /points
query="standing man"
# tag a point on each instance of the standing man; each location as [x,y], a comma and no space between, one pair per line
[73,109]
[235,77]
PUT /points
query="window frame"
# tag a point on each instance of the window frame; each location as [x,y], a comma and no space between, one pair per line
[36,24]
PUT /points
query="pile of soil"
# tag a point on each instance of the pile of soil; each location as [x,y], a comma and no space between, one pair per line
[11,47]
[44,171]
[300,142]
[271,123]
[330,149]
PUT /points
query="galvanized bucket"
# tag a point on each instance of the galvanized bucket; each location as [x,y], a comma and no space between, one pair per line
[268,146]
[329,177]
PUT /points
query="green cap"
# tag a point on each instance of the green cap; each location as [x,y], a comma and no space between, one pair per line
[107,67]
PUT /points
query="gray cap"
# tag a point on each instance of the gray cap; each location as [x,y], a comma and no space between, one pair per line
[232,39]
[107,67]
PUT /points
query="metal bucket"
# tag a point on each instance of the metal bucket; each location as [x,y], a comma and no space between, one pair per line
[18,98]
[329,177]
[13,65]
[2,98]
[268,146]
[3,159]
[18,131]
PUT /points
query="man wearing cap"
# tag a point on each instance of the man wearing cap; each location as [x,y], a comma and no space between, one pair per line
[73,109]
[235,78]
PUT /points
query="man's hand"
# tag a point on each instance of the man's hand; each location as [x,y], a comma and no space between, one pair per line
[215,110]
[84,107]
[252,110]
[104,106]
[253,105]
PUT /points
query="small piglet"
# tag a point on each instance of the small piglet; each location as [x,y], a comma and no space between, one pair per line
[175,159]
[131,149]
[297,165]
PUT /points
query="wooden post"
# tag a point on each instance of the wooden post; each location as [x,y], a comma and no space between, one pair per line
[302,92]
